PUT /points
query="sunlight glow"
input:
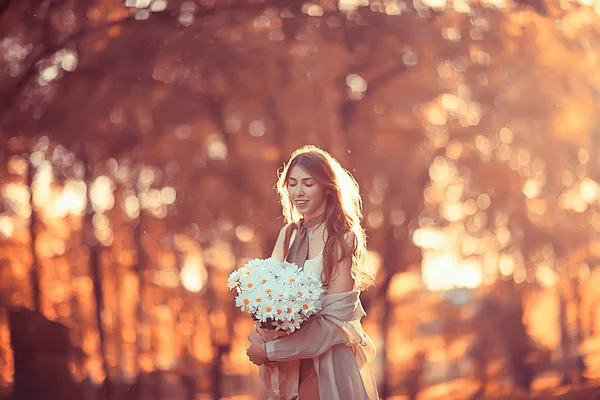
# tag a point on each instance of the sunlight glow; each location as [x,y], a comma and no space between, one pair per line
[429,238]
[101,194]
[447,271]
[193,273]
[7,226]
[546,276]
[71,200]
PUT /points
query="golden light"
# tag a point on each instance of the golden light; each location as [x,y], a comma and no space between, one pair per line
[101,194]
[437,270]
[41,185]
[436,115]
[482,144]
[519,275]
[503,236]
[146,177]
[505,135]
[7,226]
[588,190]
[217,149]
[150,199]
[402,284]
[71,200]
[462,6]
[467,274]
[351,5]
[454,150]
[428,238]
[495,3]
[506,264]
[375,219]
[483,201]
[193,273]
[168,195]
[504,152]
[166,352]
[546,276]
[441,171]
[131,206]
[532,188]
[470,207]
[102,229]
[452,212]
[356,83]
[17,166]
[449,101]
[454,193]
[583,155]
[438,5]
[244,233]
[17,197]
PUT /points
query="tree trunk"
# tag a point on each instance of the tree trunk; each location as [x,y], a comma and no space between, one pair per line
[579,365]
[95,272]
[140,314]
[34,272]
[390,258]
[565,341]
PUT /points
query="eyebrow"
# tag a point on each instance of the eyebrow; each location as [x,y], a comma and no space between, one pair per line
[303,179]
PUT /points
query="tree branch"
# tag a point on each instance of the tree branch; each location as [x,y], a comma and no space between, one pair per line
[4,6]
[8,95]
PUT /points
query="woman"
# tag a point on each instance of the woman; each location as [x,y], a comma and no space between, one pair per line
[329,357]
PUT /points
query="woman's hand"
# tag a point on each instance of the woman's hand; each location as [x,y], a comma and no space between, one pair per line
[256,335]
[257,354]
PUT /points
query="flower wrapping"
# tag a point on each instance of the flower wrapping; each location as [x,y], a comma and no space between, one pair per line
[278,294]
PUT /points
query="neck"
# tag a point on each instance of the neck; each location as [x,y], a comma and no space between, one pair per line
[313,221]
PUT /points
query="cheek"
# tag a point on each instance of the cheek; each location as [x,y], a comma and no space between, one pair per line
[318,194]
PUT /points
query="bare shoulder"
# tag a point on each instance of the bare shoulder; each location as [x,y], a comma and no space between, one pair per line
[350,240]
[341,279]
[284,229]
[278,249]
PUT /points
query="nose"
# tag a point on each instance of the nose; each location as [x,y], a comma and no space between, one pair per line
[299,189]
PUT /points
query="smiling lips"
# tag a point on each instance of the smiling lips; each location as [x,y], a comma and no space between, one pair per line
[301,203]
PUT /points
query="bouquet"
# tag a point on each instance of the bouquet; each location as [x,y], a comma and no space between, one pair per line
[278,294]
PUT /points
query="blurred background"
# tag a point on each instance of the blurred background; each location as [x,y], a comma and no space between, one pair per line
[140,143]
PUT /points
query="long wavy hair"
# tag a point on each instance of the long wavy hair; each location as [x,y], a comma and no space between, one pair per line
[346,237]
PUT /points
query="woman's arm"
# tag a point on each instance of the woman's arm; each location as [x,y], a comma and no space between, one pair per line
[314,338]
[341,278]
[278,249]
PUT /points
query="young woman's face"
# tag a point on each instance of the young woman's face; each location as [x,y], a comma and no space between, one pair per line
[306,193]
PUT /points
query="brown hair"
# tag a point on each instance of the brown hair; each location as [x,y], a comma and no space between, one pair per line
[346,237]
